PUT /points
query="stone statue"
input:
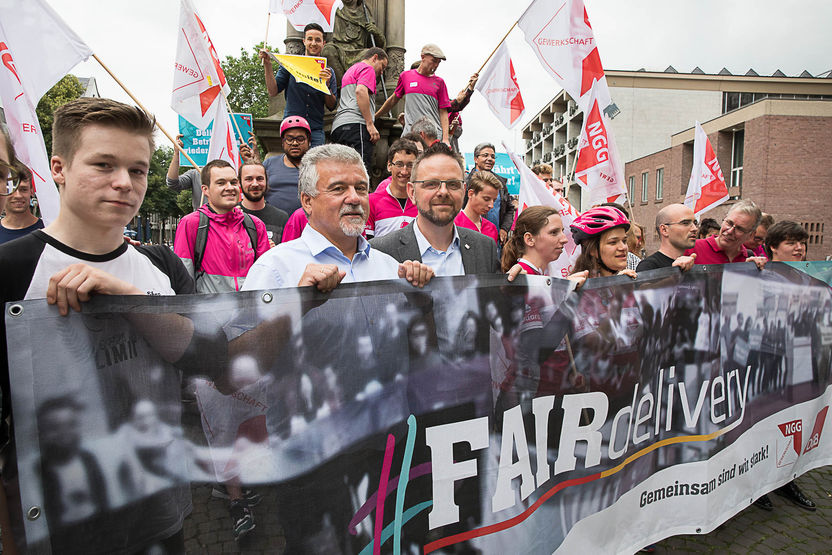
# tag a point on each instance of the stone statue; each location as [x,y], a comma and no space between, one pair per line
[352,33]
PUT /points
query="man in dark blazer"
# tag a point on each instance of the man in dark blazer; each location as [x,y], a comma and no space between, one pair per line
[437,188]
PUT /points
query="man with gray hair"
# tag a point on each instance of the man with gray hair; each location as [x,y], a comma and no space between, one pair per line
[737,227]
[502,214]
[333,187]
[426,130]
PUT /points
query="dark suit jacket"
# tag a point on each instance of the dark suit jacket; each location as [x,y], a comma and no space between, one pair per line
[479,253]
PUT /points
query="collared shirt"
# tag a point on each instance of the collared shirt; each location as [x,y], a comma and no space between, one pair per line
[444,263]
[284,265]
[302,100]
[708,252]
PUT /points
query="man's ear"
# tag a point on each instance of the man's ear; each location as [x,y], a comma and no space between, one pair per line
[410,192]
[306,203]
[57,165]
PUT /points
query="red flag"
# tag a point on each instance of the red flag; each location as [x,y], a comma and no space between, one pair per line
[561,36]
[706,188]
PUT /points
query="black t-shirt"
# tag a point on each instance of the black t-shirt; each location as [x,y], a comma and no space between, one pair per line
[7,234]
[655,261]
[274,218]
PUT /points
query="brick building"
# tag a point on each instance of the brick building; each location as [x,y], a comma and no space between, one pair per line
[769,133]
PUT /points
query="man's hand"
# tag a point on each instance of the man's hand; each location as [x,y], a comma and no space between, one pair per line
[267,59]
[579,278]
[472,82]
[77,283]
[416,273]
[325,277]
[325,74]
[246,154]
[760,261]
[374,135]
[515,271]
[179,140]
[685,263]
[503,235]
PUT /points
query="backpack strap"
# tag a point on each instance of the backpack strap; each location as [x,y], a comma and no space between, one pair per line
[251,229]
[199,246]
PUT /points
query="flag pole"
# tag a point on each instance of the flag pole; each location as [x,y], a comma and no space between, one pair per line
[266,40]
[136,100]
[233,119]
[498,45]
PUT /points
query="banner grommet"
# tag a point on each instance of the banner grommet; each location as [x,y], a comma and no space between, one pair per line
[267,297]
[16,310]
[33,513]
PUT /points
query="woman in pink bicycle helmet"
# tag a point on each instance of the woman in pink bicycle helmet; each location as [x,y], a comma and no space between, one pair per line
[602,234]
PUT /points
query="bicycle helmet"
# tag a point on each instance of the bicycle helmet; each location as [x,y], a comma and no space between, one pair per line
[292,122]
[596,221]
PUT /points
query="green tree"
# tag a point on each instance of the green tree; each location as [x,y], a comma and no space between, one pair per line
[160,199]
[68,88]
[248,87]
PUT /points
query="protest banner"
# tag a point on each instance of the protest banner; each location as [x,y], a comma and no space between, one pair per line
[500,88]
[706,188]
[305,69]
[503,166]
[381,417]
[196,141]
[36,49]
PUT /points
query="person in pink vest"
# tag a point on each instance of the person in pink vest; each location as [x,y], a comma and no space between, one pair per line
[390,208]
[483,189]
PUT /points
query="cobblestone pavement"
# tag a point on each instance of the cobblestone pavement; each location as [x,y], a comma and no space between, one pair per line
[787,529]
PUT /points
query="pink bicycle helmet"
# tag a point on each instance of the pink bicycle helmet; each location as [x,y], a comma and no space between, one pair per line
[292,122]
[596,221]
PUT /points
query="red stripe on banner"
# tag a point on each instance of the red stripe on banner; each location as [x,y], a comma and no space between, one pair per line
[500,526]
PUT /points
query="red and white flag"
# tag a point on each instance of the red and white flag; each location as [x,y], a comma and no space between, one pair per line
[498,84]
[302,12]
[198,79]
[37,49]
[599,169]
[223,145]
[560,35]
[706,188]
[534,192]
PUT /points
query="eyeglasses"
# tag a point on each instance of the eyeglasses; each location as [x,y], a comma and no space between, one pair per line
[402,165]
[492,156]
[11,179]
[453,185]
[294,140]
[686,223]
[730,224]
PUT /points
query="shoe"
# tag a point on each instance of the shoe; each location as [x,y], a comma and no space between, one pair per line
[242,519]
[764,503]
[251,497]
[794,494]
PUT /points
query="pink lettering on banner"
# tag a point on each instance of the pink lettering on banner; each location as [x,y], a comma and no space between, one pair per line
[185,69]
[294,8]
[29,128]
[571,41]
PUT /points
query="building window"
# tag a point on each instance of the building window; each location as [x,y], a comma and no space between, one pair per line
[737,148]
[644,179]
[659,184]
[632,188]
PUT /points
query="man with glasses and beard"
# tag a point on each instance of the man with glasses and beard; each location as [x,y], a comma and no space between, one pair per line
[726,247]
[254,182]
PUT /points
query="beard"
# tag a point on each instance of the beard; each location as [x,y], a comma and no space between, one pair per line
[349,227]
[254,197]
[434,218]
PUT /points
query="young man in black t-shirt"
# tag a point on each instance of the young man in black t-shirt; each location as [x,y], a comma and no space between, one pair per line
[101,157]
[254,182]
[676,227]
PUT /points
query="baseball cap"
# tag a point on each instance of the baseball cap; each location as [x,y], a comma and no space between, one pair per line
[434,51]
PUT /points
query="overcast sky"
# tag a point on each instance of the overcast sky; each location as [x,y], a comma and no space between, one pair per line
[137,40]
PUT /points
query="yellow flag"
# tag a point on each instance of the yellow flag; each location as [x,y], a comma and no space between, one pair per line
[305,69]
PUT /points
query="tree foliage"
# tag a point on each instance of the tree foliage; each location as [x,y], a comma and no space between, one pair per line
[246,80]
[160,199]
[65,90]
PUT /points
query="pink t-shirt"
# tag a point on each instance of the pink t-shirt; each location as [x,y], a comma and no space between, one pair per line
[488,228]
[708,252]
[424,95]
[294,225]
[386,214]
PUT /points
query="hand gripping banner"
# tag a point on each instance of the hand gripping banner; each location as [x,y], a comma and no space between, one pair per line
[475,413]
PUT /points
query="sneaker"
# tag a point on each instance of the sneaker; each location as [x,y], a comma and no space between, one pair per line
[242,519]
[794,494]
[251,497]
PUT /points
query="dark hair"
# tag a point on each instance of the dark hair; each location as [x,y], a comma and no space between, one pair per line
[587,261]
[253,163]
[531,220]
[73,117]
[205,176]
[785,230]
[4,131]
[767,221]
[25,173]
[437,149]
[415,137]
[706,226]
[402,145]
[374,51]
[313,27]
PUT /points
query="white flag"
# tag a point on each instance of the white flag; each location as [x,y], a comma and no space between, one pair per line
[599,169]
[36,49]
[223,145]
[560,35]
[302,12]
[533,192]
[706,188]
[198,79]
[498,84]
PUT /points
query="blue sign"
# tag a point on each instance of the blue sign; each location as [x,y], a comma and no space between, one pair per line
[197,140]
[503,166]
